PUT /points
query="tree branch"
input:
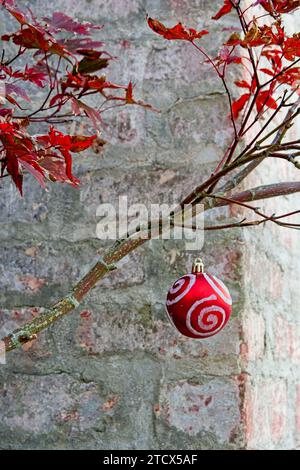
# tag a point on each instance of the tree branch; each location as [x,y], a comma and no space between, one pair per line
[255,194]
[122,248]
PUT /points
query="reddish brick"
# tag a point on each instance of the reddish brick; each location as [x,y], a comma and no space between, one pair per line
[287,339]
[265,414]
[274,280]
[193,408]
[289,239]
[254,337]
[266,276]
[278,410]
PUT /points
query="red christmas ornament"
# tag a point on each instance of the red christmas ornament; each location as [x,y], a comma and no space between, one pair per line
[198,304]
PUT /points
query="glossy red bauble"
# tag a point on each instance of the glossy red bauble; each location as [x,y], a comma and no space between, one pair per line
[199,305]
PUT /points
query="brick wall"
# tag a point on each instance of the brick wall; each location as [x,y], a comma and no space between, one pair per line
[271,326]
[114,374]
[271,323]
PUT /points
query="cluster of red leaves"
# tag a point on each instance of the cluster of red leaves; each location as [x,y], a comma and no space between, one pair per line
[31,74]
[10,79]
[226,57]
[269,35]
[45,156]
[264,97]
[65,62]
[274,45]
[177,32]
[279,6]
[265,35]
[273,7]
[290,76]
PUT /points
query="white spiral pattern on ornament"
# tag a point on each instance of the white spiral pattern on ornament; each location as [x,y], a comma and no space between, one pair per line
[178,285]
[212,318]
[226,297]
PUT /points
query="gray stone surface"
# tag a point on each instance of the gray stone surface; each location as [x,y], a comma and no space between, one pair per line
[118,376]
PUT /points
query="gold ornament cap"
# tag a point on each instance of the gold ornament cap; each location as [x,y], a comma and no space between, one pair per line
[198,266]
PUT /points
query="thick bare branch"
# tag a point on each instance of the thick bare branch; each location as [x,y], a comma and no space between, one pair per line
[260,192]
[122,248]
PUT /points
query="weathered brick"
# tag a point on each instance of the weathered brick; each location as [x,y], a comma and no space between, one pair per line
[211,406]
[253,346]
[287,339]
[266,413]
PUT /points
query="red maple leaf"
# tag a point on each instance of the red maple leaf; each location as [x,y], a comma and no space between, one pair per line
[31,37]
[17,90]
[290,77]
[22,17]
[242,84]
[93,114]
[238,105]
[55,167]
[74,45]
[29,163]
[78,81]
[81,142]
[226,8]
[177,32]
[31,74]
[12,167]
[66,144]
[263,99]
[265,35]
[129,99]
[60,21]
[226,56]
[274,56]
[279,6]
[291,47]
[12,144]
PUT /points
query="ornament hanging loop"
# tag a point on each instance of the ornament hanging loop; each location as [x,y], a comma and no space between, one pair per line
[198,266]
